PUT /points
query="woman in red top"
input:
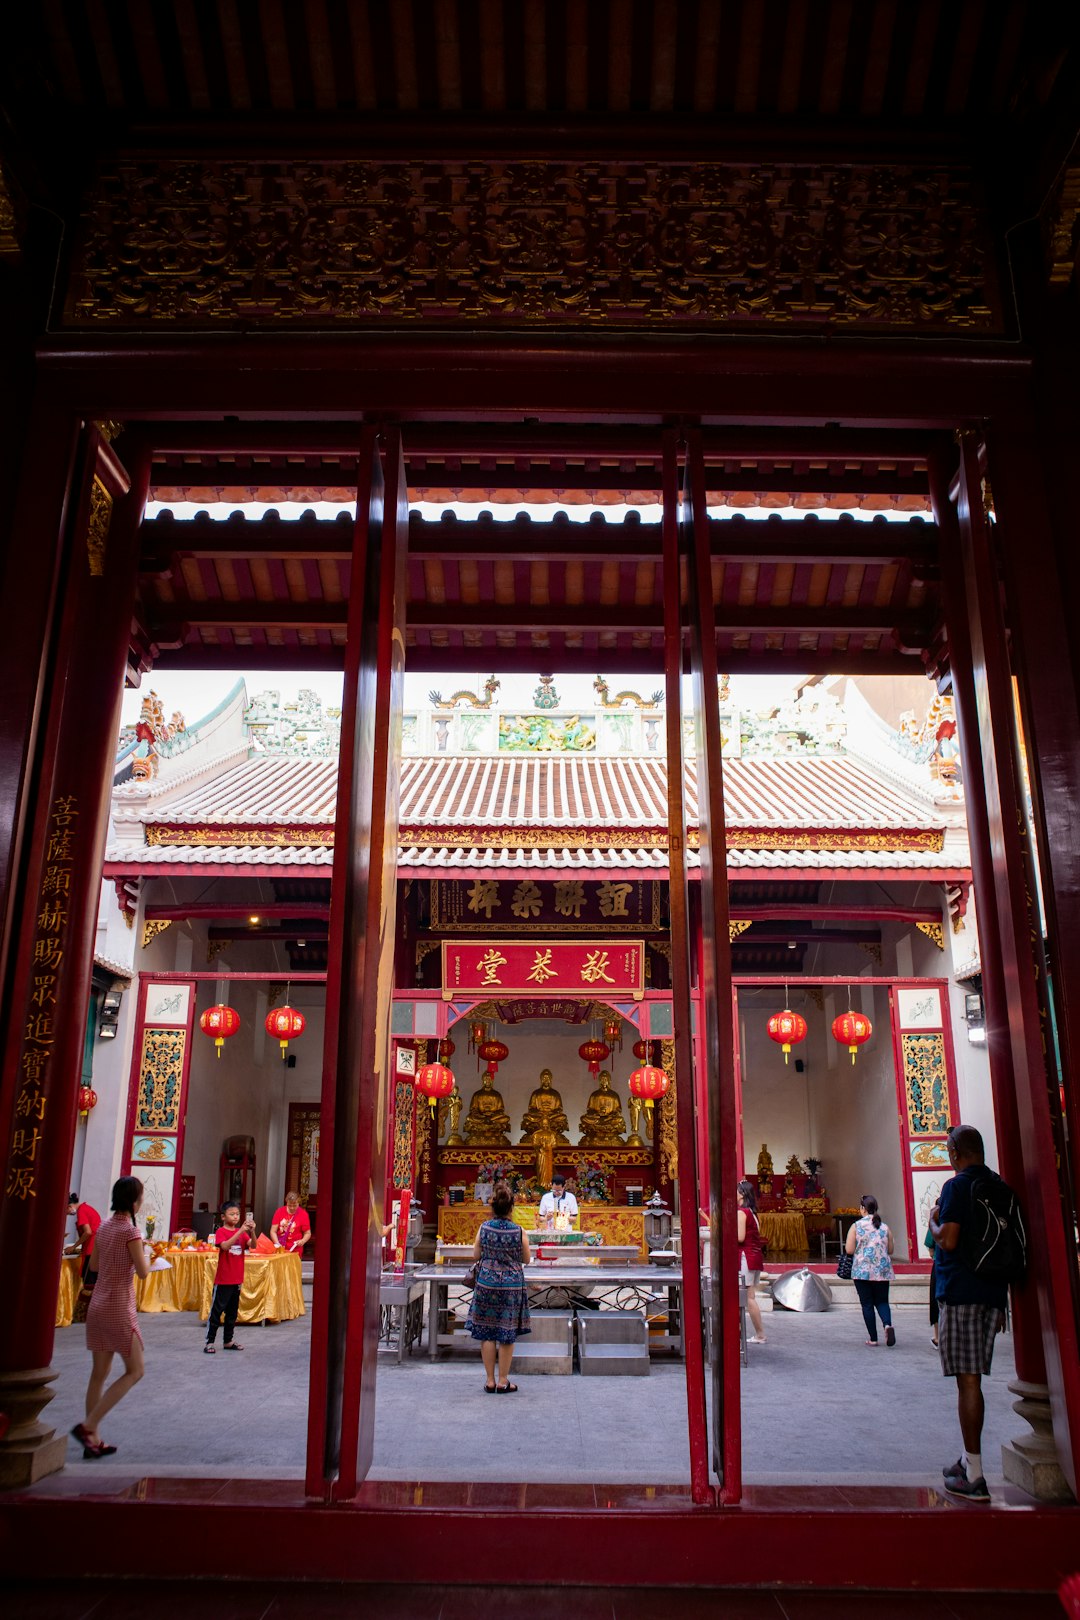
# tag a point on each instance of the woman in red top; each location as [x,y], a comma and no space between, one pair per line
[290,1227]
[751,1257]
[120,1254]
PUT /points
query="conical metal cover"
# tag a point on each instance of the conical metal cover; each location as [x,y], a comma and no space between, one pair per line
[802,1291]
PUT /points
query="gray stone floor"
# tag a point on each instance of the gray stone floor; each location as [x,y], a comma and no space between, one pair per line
[818,1406]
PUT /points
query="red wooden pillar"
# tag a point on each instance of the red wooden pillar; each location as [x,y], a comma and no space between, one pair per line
[53,959]
[1007,910]
[359,984]
[717,1036]
[681,978]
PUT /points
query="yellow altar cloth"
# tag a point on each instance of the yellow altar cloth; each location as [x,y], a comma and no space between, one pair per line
[616,1223]
[784,1231]
[271,1287]
[69,1289]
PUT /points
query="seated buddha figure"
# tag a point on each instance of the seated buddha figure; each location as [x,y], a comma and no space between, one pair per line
[487,1123]
[545,1124]
[602,1123]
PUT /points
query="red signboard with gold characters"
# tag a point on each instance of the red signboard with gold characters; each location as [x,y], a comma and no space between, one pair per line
[591,967]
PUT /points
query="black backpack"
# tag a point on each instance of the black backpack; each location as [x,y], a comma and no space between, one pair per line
[993,1243]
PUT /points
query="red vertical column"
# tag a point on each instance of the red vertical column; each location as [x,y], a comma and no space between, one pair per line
[359,984]
[61,876]
[681,978]
[717,1036]
[1014,1030]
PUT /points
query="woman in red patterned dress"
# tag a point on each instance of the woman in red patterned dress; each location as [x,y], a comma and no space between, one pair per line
[110,1320]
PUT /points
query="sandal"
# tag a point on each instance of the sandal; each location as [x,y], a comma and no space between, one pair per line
[506,1389]
[100,1450]
[232,1347]
[490,1389]
[82,1434]
[209,1350]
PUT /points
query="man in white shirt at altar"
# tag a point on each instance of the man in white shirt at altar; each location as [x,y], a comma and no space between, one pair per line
[558,1201]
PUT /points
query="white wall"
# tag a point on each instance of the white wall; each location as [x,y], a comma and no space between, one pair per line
[845,1116]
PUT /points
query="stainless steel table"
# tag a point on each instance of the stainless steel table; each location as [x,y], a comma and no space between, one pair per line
[615,1287]
[403,1293]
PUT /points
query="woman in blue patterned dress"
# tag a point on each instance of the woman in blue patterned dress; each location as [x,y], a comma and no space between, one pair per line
[871,1243]
[499,1312]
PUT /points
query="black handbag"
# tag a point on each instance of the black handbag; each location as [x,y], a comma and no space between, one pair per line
[843,1266]
[469,1278]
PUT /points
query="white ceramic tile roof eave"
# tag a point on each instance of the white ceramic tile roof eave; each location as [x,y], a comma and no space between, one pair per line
[785,792]
[450,861]
[152,795]
[118,969]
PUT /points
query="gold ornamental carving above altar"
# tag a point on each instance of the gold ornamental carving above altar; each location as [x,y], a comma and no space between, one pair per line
[524,1158]
[214,244]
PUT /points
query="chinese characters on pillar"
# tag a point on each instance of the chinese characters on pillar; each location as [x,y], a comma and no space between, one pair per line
[589,967]
[39,1034]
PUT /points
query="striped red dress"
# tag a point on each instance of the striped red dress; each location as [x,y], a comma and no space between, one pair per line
[110,1318]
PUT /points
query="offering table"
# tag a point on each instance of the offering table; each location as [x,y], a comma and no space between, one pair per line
[271,1290]
[615,1223]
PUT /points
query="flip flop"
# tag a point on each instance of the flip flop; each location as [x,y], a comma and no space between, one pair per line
[209,1350]
[232,1347]
[506,1389]
[490,1389]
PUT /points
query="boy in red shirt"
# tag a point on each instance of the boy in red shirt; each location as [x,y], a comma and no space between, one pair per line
[231,1240]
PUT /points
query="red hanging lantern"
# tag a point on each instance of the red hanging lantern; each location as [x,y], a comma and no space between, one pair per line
[613,1032]
[787,1029]
[434,1080]
[220,1022]
[852,1029]
[285,1024]
[87,1099]
[648,1082]
[446,1050]
[640,1050]
[493,1053]
[477,1033]
[593,1053]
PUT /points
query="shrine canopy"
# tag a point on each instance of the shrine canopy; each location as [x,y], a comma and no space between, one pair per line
[824,786]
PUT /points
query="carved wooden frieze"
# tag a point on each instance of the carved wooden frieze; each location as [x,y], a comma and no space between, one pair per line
[216,244]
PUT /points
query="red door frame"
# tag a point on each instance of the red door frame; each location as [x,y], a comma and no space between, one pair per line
[863,383]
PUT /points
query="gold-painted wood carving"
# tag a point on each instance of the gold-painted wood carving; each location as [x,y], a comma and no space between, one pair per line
[737,927]
[934,932]
[151,929]
[97,527]
[161,1079]
[667,1128]
[235,243]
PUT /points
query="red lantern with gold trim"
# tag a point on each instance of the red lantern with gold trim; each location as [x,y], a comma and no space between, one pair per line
[446,1050]
[477,1033]
[787,1029]
[434,1080]
[640,1050]
[593,1053]
[285,1024]
[220,1022]
[87,1099]
[852,1029]
[648,1082]
[613,1032]
[493,1053]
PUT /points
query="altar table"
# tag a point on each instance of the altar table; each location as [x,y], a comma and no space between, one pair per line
[616,1223]
[271,1290]
[616,1287]
[784,1232]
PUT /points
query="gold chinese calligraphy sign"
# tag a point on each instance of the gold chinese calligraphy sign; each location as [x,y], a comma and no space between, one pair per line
[610,967]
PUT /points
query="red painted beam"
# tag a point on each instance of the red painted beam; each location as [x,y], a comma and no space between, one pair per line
[209,908]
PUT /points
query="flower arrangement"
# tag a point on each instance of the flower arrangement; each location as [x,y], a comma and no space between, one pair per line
[590,1183]
[493,1170]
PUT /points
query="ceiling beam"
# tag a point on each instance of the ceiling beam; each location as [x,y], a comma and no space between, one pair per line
[810,539]
[646,662]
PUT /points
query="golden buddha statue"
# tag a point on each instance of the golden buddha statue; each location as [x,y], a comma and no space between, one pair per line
[487,1124]
[602,1123]
[545,1124]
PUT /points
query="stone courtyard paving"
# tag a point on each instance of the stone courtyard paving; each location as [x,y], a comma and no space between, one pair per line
[818,1407]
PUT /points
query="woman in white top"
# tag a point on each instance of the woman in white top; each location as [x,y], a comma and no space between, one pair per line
[871,1243]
